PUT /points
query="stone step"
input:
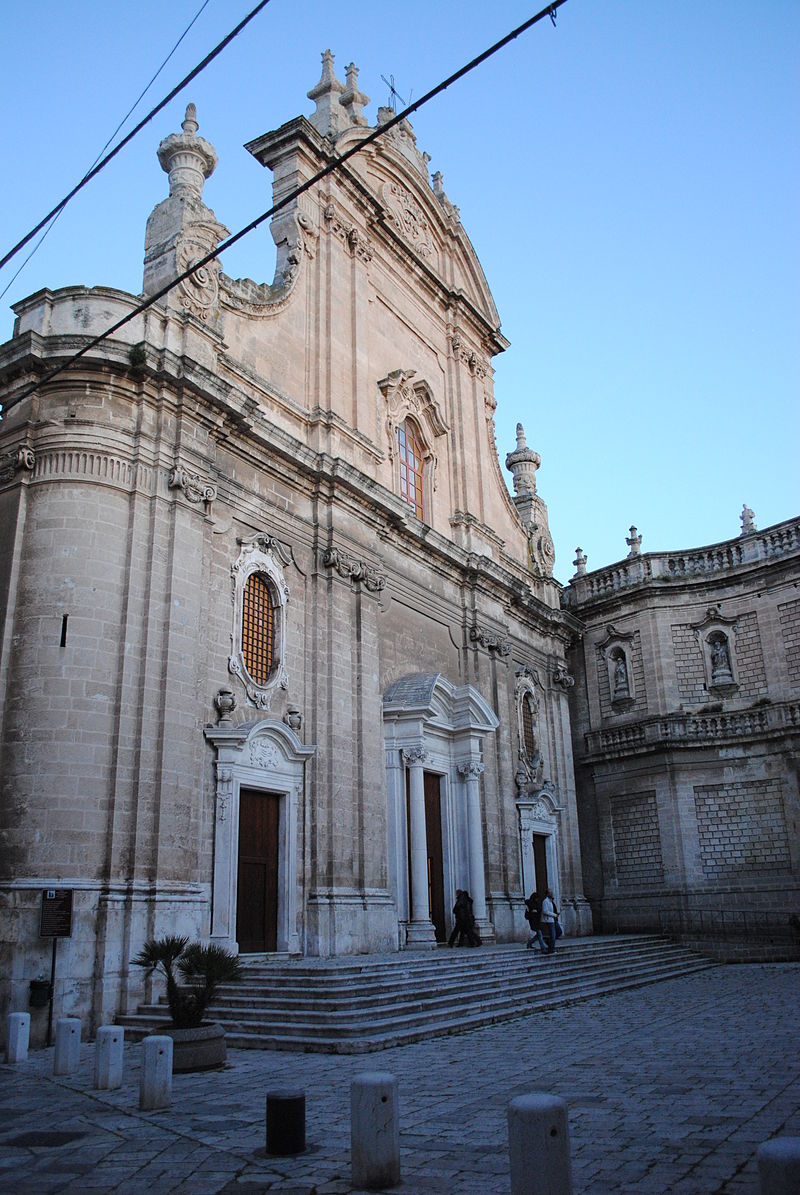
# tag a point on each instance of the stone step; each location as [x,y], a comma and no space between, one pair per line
[339,994]
[357,1014]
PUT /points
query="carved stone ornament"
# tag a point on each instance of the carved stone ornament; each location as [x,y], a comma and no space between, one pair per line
[491,641]
[463,351]
[225,704]
[563,677]
[357,570]
[199,293]
[224,791]
[472,767]
[414,755]
[409,219]
[24,459]
[352,238]
[264,754]
[193,487]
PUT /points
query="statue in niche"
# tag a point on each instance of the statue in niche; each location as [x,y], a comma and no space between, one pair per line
[621,686]
[721,671]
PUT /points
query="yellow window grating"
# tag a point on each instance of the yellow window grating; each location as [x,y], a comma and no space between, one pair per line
[411,467]
[258,628]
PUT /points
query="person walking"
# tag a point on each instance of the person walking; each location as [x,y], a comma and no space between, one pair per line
[533,909]
[464,927]
[549,917]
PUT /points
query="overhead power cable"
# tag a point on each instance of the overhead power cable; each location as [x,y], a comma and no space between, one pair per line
[129,137]
[333,165]
[132,108]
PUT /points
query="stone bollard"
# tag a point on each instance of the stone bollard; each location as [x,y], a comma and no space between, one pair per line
[286,1121]
[779,1166]
[155,1084]
[19,1032]
[108,1057]
[374,1131]
[538,1143]
[68,1046]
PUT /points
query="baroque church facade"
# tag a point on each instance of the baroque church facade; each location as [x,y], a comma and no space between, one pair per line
[283,663]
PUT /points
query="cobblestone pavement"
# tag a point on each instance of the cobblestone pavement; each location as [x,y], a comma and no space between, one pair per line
[670,1088]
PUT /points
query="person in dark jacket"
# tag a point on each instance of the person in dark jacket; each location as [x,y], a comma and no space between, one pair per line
[464,927]
[533,908]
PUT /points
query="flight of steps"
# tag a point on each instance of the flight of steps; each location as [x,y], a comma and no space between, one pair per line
[355,1005]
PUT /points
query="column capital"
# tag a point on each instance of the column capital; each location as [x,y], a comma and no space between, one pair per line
[472,767]
[414,755]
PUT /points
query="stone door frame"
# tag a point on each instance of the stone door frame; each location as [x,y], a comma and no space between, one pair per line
[539,814]
[264,756]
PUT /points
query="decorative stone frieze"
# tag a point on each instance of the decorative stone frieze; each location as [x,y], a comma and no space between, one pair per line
[492,641]
[354,569]
[191,484]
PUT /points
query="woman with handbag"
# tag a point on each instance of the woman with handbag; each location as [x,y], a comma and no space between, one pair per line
[549,917]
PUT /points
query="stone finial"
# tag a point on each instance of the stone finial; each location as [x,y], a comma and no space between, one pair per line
[353,100]
[748,521]
[634,542]
[438,183]
[522,464]
[188,159]
[328,119]
[580,563]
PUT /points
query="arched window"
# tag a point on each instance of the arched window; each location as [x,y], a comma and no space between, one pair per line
[412,465]
[258,628]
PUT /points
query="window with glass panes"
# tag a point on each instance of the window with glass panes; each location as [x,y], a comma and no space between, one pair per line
[258,628]
[411,467]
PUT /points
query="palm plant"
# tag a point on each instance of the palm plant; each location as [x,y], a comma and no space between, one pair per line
[201,968]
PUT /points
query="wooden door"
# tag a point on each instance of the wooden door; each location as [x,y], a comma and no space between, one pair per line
[540,863]
[433,834]
[257,890]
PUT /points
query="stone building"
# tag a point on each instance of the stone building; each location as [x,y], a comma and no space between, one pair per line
[283,664]
[686,723]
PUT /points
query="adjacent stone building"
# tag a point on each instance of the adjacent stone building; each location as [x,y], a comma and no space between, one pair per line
[686,724]
[283,664]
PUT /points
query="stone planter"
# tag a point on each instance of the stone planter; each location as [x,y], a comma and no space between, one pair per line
[201,1049]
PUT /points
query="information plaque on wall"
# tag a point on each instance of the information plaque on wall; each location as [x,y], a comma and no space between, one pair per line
[56,919]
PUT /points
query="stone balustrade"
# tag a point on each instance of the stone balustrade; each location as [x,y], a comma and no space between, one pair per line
[665,567]
[688,730]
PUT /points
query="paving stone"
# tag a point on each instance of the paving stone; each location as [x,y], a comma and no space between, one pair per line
[647,1113]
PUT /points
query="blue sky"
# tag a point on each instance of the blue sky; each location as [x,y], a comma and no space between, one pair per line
[629,179]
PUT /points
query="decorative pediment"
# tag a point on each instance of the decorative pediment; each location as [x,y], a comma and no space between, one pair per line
[410,220]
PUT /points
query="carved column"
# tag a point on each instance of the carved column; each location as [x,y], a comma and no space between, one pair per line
[471,772]
[420,927]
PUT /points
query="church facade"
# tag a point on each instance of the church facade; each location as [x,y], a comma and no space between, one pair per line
[283,663]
